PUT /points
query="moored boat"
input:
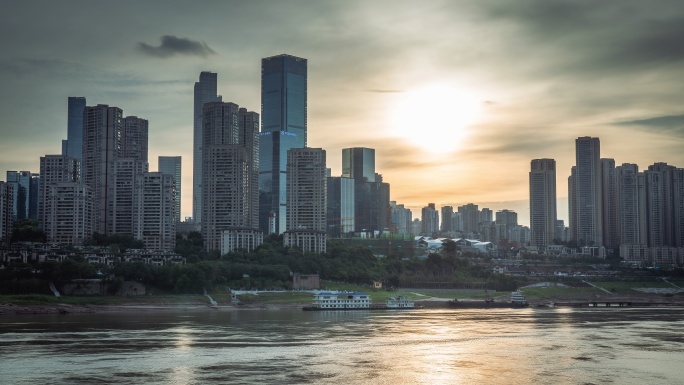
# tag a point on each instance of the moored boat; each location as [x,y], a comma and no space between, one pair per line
[517,301]
[328,300]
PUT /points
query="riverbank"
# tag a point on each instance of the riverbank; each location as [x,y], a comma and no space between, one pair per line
[199,303]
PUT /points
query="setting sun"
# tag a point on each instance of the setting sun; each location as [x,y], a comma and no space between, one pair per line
[435,117]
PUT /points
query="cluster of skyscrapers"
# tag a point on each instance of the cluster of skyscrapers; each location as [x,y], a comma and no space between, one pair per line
[610,207]
[251,177]
[254,175]
[99,183]
[249,183]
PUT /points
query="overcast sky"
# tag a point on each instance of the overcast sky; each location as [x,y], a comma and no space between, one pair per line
[457,97]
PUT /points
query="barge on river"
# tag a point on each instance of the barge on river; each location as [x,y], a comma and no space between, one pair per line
[517,301]
[355,301]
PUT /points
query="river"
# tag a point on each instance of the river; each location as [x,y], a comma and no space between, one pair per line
[431,346]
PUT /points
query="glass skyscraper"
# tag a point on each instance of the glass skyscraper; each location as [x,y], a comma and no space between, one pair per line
[283,117]
[74,143]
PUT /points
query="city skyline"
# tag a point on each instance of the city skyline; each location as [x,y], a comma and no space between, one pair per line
[571,70]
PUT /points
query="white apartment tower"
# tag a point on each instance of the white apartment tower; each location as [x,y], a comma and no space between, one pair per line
[543,212]
[68,213]
[154,208]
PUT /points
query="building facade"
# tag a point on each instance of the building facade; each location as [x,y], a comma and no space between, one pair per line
[609,203]
[588,193]
[57,169]
[340,213]
[171,165]
[155,209]
[6,214]
[74,143]
[430,219]
[205,91]
[68,213]
[229,197]
[543,212]
[307,199]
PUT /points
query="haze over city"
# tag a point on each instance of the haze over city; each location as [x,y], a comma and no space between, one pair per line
[456,97]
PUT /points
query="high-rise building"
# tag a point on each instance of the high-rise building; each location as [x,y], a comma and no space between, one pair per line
[661,205]
[470,217]
[57,169]
[371,196]
[542,201]
[447,212]
[306,199]
[102,127]
[74,142]
[6,212]
[229,197]
[155,209]
[430,219]
[359,163]
[507,222]
[631,208]
[205,92]
[678,201]
[67,213]
[609,203]
[284,126]
[21,180]
[171,165]
[340,206]
[486,215]
[402,218]
[134,138]
[122,200]
[114,159]
[572,202]
[588,192]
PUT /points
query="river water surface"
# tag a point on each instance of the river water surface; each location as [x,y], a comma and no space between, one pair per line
[432,346]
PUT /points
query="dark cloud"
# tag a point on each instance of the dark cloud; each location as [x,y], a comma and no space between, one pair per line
[172,45]
[670,124]
[589,36]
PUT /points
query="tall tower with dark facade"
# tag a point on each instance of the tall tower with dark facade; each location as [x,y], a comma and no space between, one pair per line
[74,142]
[587,194]
[171,165]
[543,201]
[283,118]
[205,92]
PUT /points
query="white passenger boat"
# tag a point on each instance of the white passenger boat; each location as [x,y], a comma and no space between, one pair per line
[344,300]
[328,300]
[399,302]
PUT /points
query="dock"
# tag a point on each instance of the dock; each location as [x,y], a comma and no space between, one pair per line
[613,303]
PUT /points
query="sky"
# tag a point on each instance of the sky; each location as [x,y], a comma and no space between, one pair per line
[457,97]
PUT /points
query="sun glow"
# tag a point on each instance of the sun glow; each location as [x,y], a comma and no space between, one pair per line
[435,117]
